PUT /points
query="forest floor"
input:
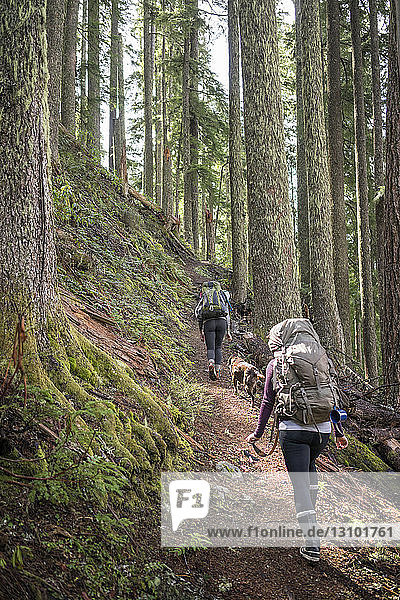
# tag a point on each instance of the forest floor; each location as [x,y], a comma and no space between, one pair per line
[271,573]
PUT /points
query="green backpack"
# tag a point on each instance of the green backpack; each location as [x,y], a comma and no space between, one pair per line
[304,377]
[214,302]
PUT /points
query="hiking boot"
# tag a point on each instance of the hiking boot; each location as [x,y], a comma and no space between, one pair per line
[310,553]
[211,372]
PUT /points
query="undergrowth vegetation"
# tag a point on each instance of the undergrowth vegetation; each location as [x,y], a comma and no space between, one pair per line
[112,256]
[80,459]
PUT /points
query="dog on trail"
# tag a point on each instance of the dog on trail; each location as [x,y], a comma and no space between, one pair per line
[245,374]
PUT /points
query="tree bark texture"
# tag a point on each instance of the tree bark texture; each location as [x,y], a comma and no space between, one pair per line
[93,121]
[210,234]
[194,123]
[148,68]
[391,222]
[27,249]
[68,96]
[83,74]
[364,236]
[167,200]
[158,135]
[379,177]
[336,171]
[120,156]
[271,236]
[112,163]
[237,191]
[303,234]
[187,182]
[325,310]
[54,34]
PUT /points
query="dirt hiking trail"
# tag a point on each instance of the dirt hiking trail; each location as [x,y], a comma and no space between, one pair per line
[267,573]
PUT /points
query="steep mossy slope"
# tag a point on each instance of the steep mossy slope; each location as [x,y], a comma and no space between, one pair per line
[75,476]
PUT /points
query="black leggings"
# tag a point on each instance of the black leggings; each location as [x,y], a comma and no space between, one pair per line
[300,449]
[214,332]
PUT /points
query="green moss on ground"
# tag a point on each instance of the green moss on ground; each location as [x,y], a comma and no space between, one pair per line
[85,455]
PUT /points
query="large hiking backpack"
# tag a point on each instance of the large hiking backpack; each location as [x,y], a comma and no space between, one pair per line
[214,302]
[304,377]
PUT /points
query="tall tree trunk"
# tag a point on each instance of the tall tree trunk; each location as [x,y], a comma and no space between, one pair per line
[93,120]
[158,136]
[121,154]
[379,179]
[336,171]
[194,123]
[27,249]
[68,96]
[271,236]
[325,310]
[303,234]
[112,163]
[364,242]
[148,175]
[391,222]
[187,182]
[54,31]
[83,74]
[238,199]
[210,232]
[178,172]
[167,199]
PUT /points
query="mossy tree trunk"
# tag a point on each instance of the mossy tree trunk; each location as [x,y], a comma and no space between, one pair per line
[303,234]
[113,100]
[363,227]
[148,68]
[68,96]
[54,31]
[120,154]
[336,171]
[27,249]
[83,73]
[93,120]
[237,191]
[325,310]
[391,222]
[167,200]
[271,235]
[379,176]
[187,182]
[194,122]
[158,132]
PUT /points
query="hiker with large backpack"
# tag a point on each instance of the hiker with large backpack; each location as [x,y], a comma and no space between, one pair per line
[301,385]
[212,313]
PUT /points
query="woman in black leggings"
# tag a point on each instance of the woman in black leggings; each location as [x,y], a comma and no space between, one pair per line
[301,445]
[213,332]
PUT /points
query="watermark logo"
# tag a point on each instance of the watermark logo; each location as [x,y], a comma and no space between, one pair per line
[189,499]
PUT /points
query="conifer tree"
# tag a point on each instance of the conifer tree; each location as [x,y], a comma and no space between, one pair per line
[336,171]
[391,221]
[54,33]
[237,192]
[113,84]
[325,310]
[93,112]
[148,76]
[364,236]
[271,236]
[68,95]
